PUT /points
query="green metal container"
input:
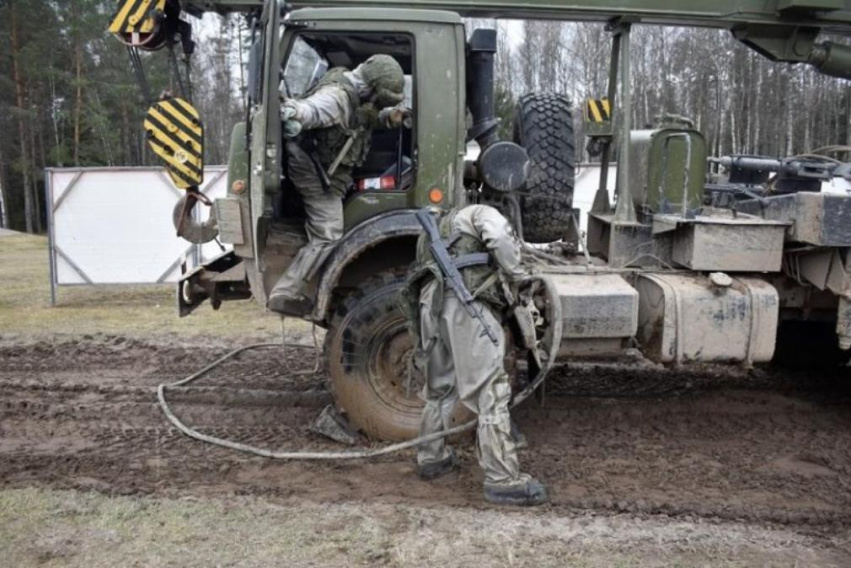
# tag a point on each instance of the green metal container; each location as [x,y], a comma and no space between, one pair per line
[668,169]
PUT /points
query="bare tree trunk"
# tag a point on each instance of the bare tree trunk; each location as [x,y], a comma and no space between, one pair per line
[753,106]
[758,115]
[811,119]
[734,132]
[4,212]
[847,123]
[42,154]
[34,187]
[78,75]
[101,130]
[43,164]
[719,151]
[790,123]
[790,129]
[54,117]
[22,130]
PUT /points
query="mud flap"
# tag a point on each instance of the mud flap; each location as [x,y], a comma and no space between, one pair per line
[219,280]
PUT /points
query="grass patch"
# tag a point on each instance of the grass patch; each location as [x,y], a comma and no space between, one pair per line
[41,527]
[147,311]
[63,528]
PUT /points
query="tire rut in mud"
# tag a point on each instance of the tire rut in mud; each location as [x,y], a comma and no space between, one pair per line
[613,438]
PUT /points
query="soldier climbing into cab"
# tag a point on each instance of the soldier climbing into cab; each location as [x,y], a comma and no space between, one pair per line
[328,133]
[461,344]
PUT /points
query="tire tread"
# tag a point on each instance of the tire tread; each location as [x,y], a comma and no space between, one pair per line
[543,125]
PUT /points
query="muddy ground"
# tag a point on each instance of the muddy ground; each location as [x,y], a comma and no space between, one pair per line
[747,450]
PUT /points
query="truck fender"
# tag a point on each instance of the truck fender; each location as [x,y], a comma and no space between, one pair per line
[367,235]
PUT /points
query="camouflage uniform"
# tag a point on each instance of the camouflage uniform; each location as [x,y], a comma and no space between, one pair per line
[460,362]
[343,104]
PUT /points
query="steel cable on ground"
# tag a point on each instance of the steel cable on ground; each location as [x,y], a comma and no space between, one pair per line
[554,316]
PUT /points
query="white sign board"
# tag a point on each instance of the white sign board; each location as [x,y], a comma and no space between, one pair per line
[114,225]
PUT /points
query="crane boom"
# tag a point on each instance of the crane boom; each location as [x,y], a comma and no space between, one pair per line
[832,16]
[781,30]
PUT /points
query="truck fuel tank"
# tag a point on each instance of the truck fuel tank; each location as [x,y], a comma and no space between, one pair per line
[706,318]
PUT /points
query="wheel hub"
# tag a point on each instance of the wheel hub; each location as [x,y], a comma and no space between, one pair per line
[391,370]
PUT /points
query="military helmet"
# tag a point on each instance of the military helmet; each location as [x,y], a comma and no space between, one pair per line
[384,76]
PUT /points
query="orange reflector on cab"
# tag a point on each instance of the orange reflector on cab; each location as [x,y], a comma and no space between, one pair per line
[435,195]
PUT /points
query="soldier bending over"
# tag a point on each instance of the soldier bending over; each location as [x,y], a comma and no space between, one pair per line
[460,361]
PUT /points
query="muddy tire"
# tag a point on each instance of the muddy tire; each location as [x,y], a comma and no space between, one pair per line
[367,350]
[543,125]
[808,345]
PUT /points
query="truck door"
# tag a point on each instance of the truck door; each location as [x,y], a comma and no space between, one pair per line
[265,159]
[404,165]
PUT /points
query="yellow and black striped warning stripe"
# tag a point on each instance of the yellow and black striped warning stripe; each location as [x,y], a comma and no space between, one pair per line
[598,110]
[136,16]
[176,135]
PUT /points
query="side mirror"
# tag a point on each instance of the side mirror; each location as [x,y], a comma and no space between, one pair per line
[255,71]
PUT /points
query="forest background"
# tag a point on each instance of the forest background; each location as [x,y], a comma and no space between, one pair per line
[68,96]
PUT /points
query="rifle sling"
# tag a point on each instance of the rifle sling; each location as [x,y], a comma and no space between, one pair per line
[472,259]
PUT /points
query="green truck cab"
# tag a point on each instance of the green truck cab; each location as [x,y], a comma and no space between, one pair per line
[431,152]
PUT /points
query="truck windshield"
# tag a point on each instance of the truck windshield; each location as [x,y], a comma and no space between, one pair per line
[304,66]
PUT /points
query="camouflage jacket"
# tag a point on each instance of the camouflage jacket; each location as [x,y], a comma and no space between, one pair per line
[331,112]
[472,229]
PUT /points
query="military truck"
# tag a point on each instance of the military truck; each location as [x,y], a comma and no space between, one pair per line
[667,268]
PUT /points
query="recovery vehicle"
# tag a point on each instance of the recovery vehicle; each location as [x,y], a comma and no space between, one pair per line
[686,271]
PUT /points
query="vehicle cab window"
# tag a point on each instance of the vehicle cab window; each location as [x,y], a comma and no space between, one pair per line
[303,68]
[389,165]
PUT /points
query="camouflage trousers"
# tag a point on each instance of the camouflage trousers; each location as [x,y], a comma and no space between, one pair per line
[464,365]
[324,222]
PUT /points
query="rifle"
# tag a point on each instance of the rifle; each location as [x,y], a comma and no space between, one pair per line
[450,271]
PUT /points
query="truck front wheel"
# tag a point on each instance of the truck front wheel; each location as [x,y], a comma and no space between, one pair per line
[368,359]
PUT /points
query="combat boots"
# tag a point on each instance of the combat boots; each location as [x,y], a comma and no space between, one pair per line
[527,492]
[433,470]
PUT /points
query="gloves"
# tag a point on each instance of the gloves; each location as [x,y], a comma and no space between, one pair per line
[287,112]
[291,126]
[394,117]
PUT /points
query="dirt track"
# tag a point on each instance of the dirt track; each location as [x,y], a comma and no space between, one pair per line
[742,446]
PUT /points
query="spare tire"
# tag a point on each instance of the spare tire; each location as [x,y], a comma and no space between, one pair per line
[543,125]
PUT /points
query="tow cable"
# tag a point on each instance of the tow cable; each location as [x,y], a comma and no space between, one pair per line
[549,344]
